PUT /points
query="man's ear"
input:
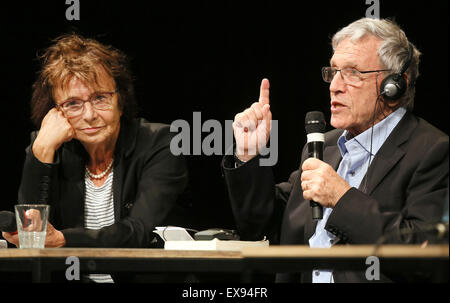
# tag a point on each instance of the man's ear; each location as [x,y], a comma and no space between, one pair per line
[387,106]
[406,79]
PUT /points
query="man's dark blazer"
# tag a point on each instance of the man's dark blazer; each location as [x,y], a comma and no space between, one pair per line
[148,187]
[406,188]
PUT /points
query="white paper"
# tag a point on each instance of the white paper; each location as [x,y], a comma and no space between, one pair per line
[215,244]
[173,233]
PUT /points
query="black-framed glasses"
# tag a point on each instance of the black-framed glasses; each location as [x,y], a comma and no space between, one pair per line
[99,100]
[350,75]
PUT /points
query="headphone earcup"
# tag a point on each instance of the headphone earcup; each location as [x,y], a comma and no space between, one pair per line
[393,87]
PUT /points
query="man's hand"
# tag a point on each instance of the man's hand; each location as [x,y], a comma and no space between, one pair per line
[252,126]
[321,183]
[55,130]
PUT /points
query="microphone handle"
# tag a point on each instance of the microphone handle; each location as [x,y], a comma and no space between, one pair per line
[315,150]
[317,211]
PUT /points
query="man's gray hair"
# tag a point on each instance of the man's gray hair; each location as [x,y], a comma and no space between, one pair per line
[393,51]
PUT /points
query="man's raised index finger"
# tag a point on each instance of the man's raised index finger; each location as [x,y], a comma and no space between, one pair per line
[264,92]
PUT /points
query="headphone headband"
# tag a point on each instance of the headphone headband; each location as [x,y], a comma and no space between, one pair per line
[408,61]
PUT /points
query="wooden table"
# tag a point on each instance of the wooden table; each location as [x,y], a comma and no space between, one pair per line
[392,258]
[42,262]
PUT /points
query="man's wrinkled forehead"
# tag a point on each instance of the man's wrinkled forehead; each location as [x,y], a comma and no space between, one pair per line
[352,53]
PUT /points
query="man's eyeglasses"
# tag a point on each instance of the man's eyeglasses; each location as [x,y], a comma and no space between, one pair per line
[350,75]
[99,100]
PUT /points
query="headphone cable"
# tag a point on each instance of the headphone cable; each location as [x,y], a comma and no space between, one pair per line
[371,138]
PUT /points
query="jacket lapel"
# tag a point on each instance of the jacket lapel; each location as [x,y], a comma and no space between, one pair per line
[389,154]
[380,167]
[124,146]
[117,189]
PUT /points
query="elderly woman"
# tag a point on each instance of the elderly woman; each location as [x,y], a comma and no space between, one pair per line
[110,178]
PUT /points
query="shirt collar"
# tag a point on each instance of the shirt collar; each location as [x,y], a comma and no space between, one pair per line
[381,131]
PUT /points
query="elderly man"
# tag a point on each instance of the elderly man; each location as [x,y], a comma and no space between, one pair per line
[385,171]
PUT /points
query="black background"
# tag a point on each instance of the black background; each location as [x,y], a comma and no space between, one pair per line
[210,56]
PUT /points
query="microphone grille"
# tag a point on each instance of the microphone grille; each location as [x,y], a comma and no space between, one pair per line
[315,122]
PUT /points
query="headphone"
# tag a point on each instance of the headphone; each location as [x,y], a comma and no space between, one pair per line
[394,86]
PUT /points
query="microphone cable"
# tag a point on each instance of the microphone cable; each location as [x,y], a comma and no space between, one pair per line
[371,139]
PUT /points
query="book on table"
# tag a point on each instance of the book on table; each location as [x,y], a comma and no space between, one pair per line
[177,238]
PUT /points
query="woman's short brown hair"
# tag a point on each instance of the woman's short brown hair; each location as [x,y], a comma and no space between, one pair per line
[75,56]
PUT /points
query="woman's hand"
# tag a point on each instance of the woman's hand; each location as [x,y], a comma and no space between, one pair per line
[54,237]
[55,130]
[11,237]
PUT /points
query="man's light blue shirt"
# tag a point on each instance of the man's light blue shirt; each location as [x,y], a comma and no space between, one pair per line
[355,153]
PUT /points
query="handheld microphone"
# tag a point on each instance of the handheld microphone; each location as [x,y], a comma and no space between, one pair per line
[315,128]
[8,222]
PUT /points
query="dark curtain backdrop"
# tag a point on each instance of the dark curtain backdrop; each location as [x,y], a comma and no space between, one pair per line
[210,56]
